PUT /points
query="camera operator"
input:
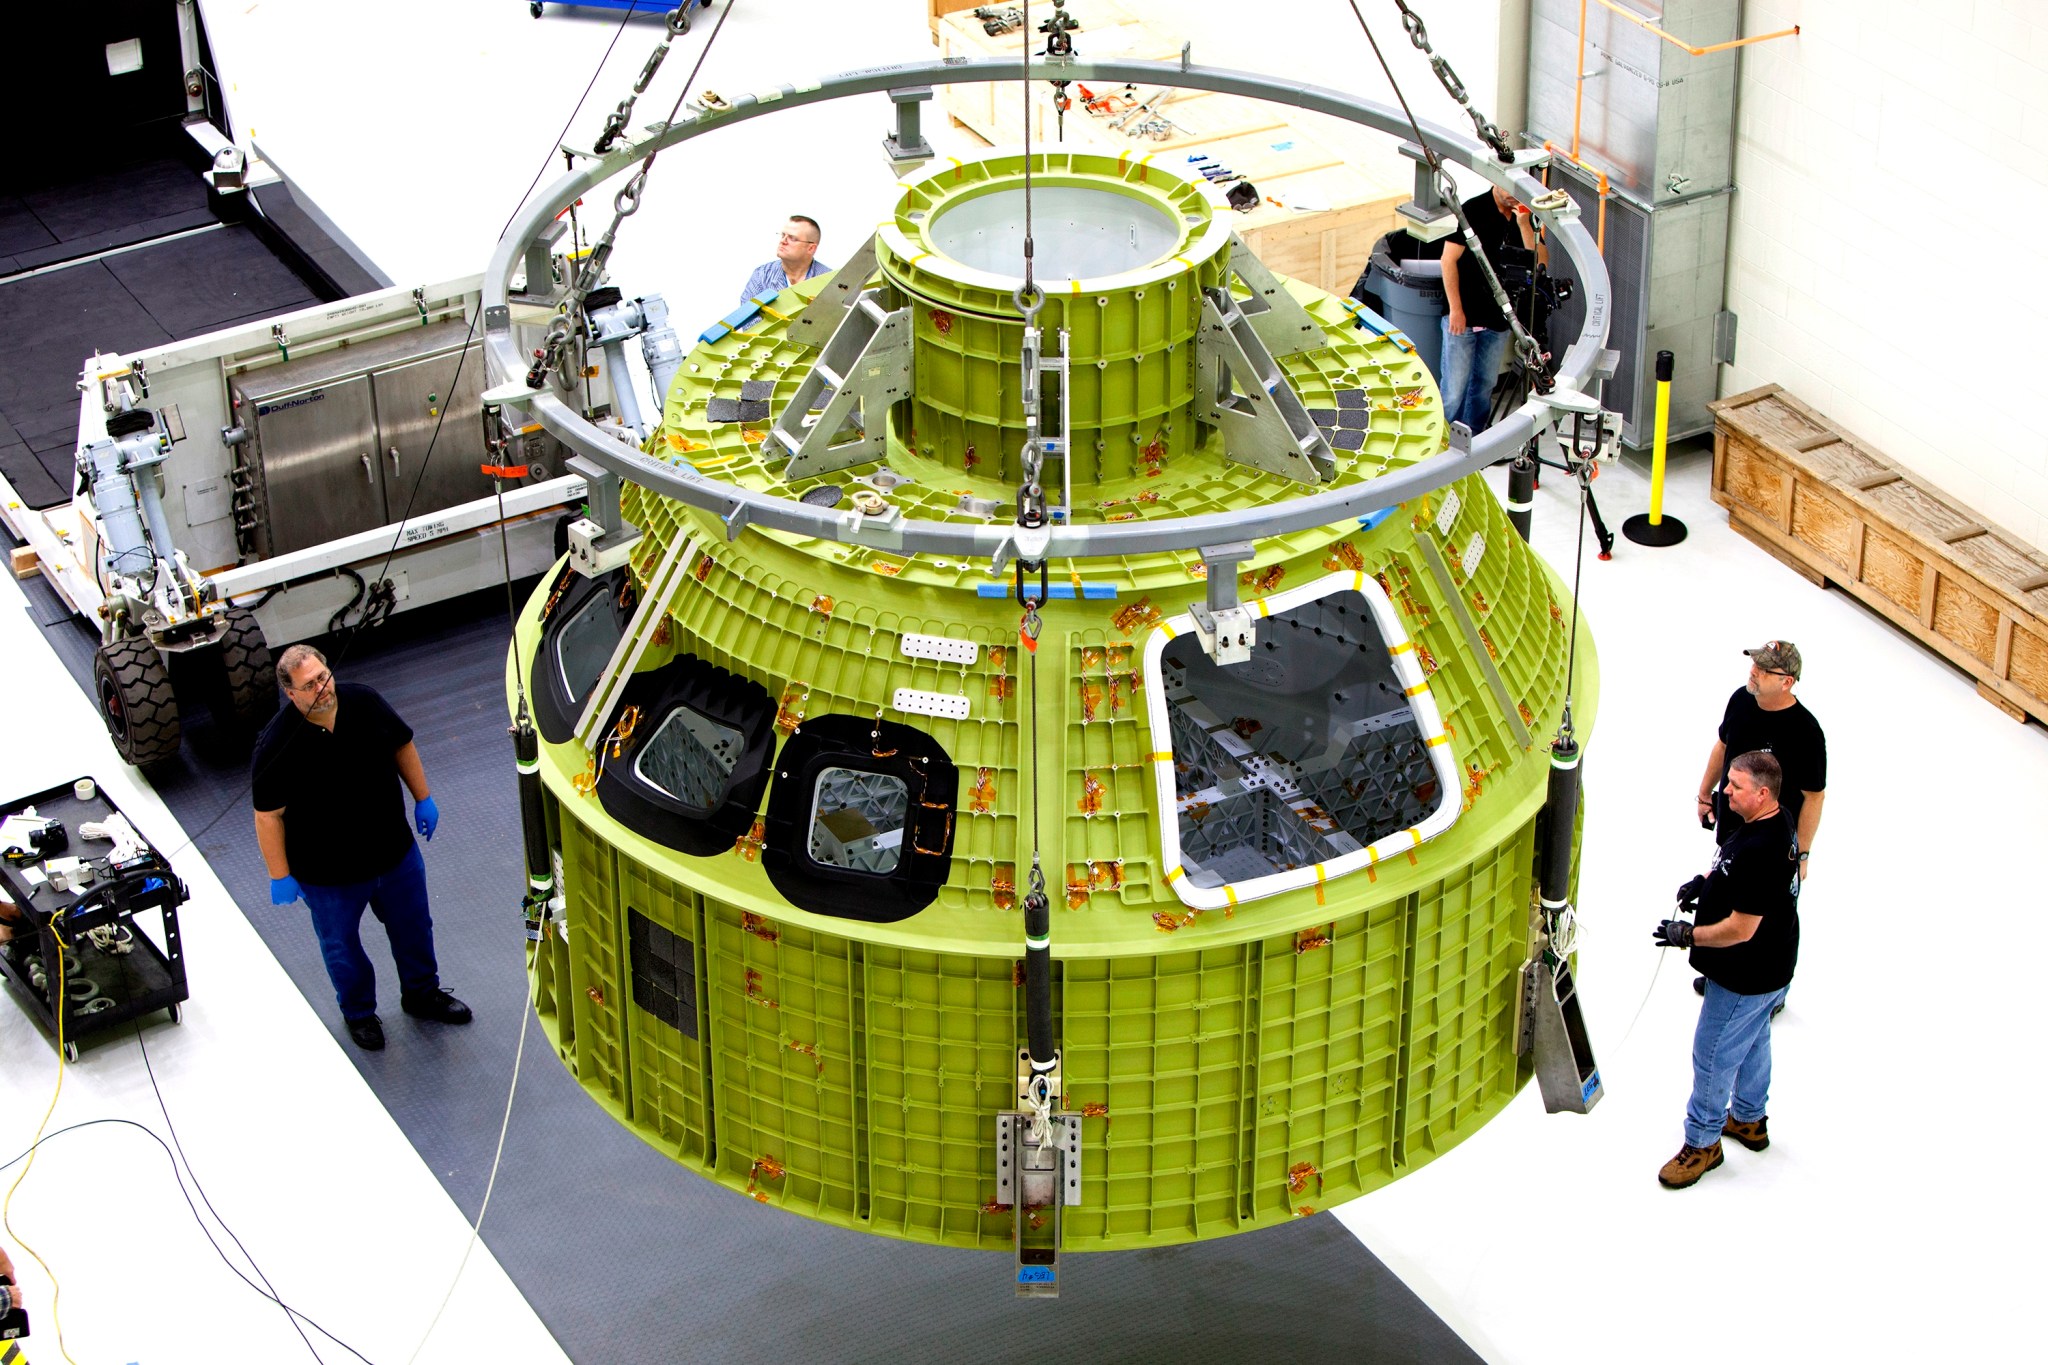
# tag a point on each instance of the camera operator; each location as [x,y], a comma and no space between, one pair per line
[1475,331]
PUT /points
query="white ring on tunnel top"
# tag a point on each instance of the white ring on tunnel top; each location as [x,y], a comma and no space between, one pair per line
[1429,722]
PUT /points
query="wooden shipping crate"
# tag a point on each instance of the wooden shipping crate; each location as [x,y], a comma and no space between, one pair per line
[1838,512]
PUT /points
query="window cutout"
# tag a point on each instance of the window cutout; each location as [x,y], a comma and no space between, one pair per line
[1324,750]
[585,645]
[857,820]
[691,758]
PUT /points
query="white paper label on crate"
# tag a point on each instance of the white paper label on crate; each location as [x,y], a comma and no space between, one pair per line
[1475,550]
[941,647]
[1447,517]
[947,704]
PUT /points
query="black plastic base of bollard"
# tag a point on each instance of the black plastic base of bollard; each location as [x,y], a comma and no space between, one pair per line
[1669,531]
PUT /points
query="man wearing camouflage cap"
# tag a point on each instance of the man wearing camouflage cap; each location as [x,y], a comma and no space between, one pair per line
[1764,716]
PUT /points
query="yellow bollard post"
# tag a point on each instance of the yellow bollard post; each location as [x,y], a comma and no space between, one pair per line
[1656,528]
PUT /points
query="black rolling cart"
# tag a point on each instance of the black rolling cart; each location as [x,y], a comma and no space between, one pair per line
[112,971]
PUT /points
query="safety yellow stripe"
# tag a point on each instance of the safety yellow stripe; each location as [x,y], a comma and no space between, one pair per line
[1230,894]
[1435,740]
[1416,690]
[1163,756]
[1077,286]
[1322,874]
[1168,630]
[1372,854]
[1175,874]
[1358,580]
[1264,608]
[1416,835]
[1401,648]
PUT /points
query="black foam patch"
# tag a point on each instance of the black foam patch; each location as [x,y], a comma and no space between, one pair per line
[735,410]
[1351,398]
[1323,417]
[757,390]
[1348,439]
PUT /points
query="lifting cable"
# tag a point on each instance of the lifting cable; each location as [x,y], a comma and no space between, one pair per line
[1031,522]
[1527,353]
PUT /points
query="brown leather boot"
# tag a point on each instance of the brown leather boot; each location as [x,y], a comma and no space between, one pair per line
[1688,1166]
[1750,1135]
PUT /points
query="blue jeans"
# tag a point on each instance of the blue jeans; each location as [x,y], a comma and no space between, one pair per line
[398,899]
[1731,1062]
[1470,365]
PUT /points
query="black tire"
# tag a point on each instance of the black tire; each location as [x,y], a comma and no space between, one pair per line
[136,702]
[246,669]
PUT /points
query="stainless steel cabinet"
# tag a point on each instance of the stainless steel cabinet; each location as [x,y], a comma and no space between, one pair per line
[411,399]
[338,441]
[321,479]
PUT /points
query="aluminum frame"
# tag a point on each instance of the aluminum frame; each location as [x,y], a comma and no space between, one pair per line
[1585,363]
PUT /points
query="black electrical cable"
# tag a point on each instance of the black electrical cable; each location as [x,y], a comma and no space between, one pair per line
[204,1230]
[164,1109]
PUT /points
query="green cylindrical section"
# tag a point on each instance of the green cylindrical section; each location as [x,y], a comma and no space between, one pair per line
[1122,249]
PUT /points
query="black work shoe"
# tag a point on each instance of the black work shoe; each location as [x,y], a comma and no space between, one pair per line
[1689,1165]
[1755,1136]
[366,1033]
[436,1005]
[1699,985]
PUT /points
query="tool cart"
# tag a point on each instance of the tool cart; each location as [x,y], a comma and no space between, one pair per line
[79,876]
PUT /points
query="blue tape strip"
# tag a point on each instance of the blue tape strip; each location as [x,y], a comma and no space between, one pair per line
[1371,520]
[1057,592]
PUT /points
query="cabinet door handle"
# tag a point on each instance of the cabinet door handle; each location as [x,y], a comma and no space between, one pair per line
[369,471]
[394,462]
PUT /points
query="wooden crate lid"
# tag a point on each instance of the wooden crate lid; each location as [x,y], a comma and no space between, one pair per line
[1810,443]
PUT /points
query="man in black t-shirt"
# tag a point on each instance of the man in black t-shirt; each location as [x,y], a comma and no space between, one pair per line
[1764,717]
[1475,330]
[1745,941]
[331,824]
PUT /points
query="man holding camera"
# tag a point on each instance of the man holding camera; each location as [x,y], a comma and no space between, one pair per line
[1744,939]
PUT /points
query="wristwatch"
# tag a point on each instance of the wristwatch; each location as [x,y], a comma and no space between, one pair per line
[1802,856]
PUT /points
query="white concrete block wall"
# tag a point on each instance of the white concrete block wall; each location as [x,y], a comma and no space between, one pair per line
[1889,246]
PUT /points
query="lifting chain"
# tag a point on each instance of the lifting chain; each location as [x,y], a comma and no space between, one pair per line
[1489,131]
[1528,354]
[615,125]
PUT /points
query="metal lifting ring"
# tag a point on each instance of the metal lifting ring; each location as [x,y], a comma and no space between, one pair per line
[1036,292]
[627,202]
[679,20]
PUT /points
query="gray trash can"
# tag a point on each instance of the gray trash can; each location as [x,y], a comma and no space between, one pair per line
[1412,293]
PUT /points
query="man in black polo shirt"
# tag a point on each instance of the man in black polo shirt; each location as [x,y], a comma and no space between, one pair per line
[1745,941]
[331,824]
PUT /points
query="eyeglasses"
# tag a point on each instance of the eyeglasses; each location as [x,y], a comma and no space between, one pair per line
[792,237]
[312,684]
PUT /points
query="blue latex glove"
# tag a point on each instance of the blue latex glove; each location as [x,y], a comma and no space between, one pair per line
[285,890]
[426,817]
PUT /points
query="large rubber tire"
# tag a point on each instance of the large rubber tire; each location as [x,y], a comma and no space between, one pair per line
[136,702]
[246,669]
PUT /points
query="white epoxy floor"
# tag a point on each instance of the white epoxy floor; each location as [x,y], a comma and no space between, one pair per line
[1892,1217]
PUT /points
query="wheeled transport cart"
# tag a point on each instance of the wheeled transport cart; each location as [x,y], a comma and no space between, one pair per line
[111,970]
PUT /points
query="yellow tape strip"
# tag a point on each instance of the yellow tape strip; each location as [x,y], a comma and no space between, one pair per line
[1416,690]
[1265,608]
[1401,648]
[1358,580]
[1175,874]
[1168,630]
[1230,894]
[1436,740]
[1164,756]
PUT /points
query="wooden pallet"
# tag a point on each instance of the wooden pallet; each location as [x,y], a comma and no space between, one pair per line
[1836,511]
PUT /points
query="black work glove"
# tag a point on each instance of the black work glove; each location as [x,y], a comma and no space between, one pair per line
[1672,933]
[1692,890]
